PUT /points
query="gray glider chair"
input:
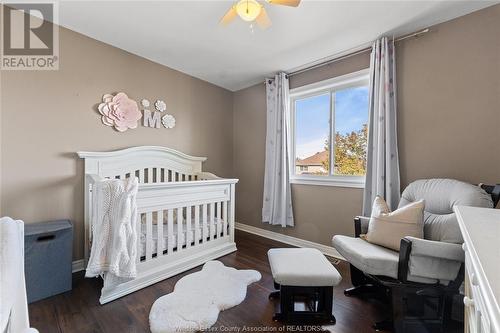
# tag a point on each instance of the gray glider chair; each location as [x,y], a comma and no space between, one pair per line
[420,280]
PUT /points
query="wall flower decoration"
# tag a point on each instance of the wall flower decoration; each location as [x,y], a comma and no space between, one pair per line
[168,121]
[145,103]
[160,105]
[119,111]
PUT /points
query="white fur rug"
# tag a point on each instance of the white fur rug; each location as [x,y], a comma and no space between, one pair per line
[198,298]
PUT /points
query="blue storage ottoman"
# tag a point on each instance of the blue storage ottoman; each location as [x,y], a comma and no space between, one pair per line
[47,258]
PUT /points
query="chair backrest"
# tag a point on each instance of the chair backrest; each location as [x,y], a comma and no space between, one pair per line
[440,196]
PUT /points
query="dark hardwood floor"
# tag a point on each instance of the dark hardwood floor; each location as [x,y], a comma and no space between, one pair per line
[79,310]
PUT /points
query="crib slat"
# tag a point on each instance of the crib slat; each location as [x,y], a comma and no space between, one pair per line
[150,175]
[188,226]
[141,176]
[224,218]
[205,227]
[219,218]
[149,235]
[170,230]
[197,233]
[139,244]
[212,220]
[159,227]
[179,228]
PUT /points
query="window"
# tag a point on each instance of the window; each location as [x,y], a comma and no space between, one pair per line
[330,116]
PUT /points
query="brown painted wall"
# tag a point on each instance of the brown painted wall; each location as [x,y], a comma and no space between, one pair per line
[449,100]
[48,116]
[448,108]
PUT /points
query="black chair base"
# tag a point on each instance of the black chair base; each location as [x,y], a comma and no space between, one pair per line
[318,300]
[385,325]
[361,290]
[415,307]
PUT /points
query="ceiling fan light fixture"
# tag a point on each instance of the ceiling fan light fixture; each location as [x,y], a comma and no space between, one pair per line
[248,10]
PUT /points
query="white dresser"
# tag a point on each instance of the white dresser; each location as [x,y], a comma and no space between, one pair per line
[481,232]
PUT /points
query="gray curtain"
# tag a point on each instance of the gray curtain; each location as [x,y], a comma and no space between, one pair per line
[382,171]
[277,199]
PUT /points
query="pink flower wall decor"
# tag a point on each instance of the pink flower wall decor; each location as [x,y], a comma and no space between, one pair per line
[119,111]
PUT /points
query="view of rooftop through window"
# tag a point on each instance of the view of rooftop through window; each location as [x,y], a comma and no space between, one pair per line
[312,132]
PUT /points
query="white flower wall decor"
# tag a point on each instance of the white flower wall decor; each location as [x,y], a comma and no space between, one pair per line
[160,105]
[119,111]
[168,121]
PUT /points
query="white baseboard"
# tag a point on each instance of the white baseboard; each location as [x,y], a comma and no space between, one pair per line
[78,265]
[326,250]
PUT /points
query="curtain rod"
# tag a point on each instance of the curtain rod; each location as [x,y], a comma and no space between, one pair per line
[363,50]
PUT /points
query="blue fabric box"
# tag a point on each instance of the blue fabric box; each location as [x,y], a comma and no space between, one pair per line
[48,248]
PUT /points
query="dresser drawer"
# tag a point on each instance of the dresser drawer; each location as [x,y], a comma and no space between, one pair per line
[476,313]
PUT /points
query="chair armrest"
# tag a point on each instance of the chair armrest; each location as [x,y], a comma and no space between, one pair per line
[404,257]
[430,254]
[361,225]
[433,249]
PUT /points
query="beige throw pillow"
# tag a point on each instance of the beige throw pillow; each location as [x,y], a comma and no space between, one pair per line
[386,228]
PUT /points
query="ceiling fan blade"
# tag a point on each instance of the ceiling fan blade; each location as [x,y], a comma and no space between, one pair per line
[263,20]
[229,16]
[291,3]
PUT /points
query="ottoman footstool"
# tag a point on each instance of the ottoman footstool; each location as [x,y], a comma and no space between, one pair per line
[302,273]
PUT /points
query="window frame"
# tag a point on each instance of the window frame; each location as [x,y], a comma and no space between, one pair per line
[330,86]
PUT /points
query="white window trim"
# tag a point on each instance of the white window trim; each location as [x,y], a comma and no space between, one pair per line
[318,88]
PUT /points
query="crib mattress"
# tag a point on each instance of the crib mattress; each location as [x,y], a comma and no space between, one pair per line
[175,238]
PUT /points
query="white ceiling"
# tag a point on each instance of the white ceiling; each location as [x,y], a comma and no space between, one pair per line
[185,35]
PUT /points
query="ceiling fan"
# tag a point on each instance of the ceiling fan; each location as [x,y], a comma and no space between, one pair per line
[252,10]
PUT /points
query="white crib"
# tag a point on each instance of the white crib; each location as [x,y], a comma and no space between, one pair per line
[186,216]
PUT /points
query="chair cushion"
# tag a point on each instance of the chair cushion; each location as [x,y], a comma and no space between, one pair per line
[386,228]
[302,267]
[377,260]
[367,257]
[441,195]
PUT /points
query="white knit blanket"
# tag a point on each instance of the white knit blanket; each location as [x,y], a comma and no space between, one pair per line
[13,304]
[114,236]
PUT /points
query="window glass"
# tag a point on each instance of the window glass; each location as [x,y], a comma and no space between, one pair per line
[351,121]
[312,135]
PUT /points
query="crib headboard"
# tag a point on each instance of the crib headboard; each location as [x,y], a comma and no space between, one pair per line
[149,163]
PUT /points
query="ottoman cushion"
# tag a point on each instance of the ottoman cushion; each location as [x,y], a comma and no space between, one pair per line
[302,267]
